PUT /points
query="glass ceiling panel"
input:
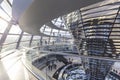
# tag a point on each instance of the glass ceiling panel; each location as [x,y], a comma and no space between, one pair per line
[47,30]
[11,1]
[3,25]
[65,34]
[42,28]
[4,15]
[54,34]
[55,30]
[7,8]
[62,32]
[59,22]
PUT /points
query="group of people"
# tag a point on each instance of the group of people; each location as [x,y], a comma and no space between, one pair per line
[52,66]
[41,42]
[70,60]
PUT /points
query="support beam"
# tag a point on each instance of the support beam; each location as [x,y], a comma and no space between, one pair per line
[31,41]
[50,36]
[18,43]
[4,36]
[9,3]
[43,32]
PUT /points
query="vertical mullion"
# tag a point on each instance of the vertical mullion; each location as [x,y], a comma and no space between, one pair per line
[19,40]
[50,36]
[4,36]
[31,41]
[43,32]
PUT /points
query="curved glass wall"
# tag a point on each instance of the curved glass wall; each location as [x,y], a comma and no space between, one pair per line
[95,30]
[12,37]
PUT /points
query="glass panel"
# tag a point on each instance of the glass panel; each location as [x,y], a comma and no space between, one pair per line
[45,40]
[11,39]
[0,36]
[3,25]
[8,47]
[54,32]
[6,7]
[47,30]
[4,15]
[59,22]
[25,38]
[26,33]
[35,43]
[36,37]
[15,29]
[24,44]
[42,28]
[62,33]
[11,1]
